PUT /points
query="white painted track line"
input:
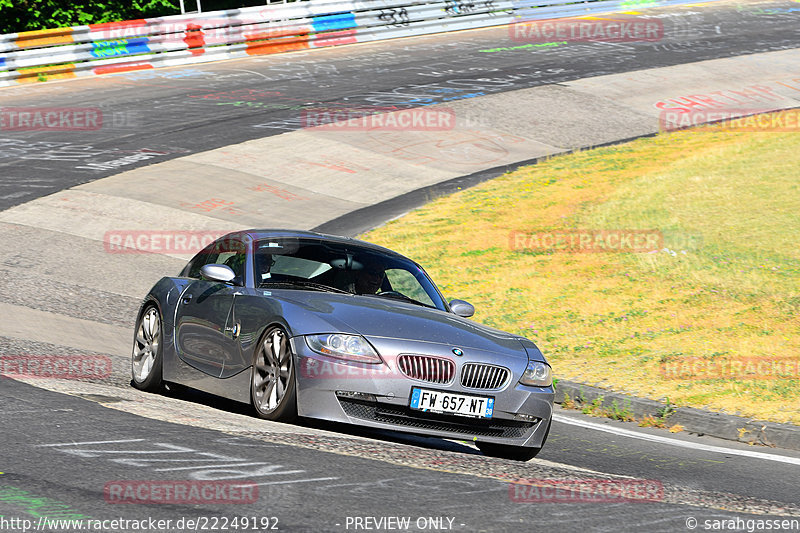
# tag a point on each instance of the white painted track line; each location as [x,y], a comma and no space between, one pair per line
[674,442]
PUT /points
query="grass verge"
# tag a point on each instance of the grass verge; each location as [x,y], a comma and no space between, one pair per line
[711,319]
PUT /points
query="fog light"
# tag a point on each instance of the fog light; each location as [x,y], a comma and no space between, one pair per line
[526,417]
[354,395]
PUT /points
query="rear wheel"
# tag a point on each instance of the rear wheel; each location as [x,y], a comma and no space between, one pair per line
[146,360]
[272,388]
[516,453]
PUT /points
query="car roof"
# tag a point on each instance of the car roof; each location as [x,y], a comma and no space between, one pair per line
[259,234]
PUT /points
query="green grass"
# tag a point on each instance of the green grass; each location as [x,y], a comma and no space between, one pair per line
[728,206]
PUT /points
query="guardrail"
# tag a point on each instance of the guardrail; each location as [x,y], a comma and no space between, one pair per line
[195,38]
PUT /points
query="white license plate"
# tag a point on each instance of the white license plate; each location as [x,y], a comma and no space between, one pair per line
[437,401]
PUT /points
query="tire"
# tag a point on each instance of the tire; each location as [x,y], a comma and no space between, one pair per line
[516,453]
[147,357]
[272,379]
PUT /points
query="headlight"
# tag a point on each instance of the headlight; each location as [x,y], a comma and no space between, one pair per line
[350,347]
[537,375]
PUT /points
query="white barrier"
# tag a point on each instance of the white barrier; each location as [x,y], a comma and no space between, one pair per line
[186,39]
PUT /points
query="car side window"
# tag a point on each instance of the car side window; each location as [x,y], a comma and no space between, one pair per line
[200,260]
[405,283]
[230,252]
[234,259]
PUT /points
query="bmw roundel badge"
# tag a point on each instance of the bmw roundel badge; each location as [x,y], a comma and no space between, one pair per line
[458,351]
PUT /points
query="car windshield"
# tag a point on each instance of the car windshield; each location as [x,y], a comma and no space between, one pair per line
[314,264]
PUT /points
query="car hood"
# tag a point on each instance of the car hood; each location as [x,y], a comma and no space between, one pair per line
[373,316]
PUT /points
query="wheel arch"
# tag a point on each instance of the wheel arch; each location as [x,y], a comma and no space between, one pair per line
[164,295]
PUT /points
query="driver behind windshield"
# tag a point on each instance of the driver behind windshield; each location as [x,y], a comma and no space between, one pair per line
[369,280]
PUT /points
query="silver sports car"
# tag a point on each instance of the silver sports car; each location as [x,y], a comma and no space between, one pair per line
[301,323]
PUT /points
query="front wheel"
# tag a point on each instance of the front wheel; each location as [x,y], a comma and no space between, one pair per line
[272,382]
[147,357]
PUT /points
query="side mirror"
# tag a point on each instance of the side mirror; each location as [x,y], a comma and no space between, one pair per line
[462,308]
[214,272]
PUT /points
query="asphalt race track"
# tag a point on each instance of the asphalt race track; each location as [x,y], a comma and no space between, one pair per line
[177,111]
[315,481]
[66,442]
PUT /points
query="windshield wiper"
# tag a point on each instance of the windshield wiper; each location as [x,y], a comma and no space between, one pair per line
[304,284]
[399,296]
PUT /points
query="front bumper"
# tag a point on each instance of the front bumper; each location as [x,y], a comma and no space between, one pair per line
[379,396]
